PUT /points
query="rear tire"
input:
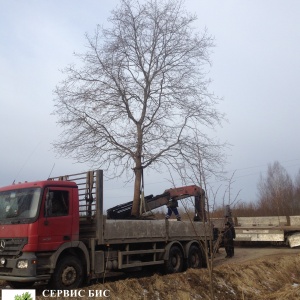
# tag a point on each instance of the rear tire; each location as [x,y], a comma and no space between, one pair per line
[68,274]
[194,260]
[174,264]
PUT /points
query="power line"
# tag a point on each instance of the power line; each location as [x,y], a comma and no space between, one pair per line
[234,178]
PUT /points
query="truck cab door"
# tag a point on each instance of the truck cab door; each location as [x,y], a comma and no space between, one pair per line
[55,223]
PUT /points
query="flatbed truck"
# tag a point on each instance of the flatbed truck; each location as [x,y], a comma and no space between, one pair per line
[274,230]
[55,230]
[278,230]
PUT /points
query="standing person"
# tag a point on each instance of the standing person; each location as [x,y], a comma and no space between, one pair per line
[228,240]
[233,237]
[172,207]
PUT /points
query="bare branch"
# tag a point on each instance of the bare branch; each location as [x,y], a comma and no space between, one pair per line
[140,92]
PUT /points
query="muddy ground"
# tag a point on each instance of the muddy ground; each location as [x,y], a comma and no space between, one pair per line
[253,273]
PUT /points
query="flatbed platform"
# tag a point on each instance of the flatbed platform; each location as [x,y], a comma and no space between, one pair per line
[158,230]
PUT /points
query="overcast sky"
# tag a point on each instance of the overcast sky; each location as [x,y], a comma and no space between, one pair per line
[256,64]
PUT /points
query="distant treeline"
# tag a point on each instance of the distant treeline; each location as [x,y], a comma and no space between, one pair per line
[278,195]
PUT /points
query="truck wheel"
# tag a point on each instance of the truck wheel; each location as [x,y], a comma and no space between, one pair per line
[20,285]
[194,258]
[68,274]
[174,264]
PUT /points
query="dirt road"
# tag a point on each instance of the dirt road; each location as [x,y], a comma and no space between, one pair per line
[243,254]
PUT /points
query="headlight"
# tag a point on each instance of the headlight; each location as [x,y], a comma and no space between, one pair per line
[2,261]
[22,264]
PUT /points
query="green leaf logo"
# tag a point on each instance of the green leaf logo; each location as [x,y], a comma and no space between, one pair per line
[24,296]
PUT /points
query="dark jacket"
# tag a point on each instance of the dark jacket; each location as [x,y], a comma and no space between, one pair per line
[227,236]
[232,231]
[172,204]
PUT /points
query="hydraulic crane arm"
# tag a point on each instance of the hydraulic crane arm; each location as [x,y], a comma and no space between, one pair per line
[123,211]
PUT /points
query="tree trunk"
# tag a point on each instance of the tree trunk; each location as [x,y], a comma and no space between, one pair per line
[138,174]
[137,190]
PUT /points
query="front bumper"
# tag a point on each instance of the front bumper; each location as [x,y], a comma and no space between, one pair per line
[10,271]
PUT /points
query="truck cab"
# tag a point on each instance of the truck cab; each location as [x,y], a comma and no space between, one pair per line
[36,219]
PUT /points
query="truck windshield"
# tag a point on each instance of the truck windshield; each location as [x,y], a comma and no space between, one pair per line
[19,206]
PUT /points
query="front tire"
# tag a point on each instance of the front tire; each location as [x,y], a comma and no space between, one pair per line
[174,264]
[68,274]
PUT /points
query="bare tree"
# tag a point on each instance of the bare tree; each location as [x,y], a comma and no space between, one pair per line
[139,91]
[201,159]
[296,206]
[276,191]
